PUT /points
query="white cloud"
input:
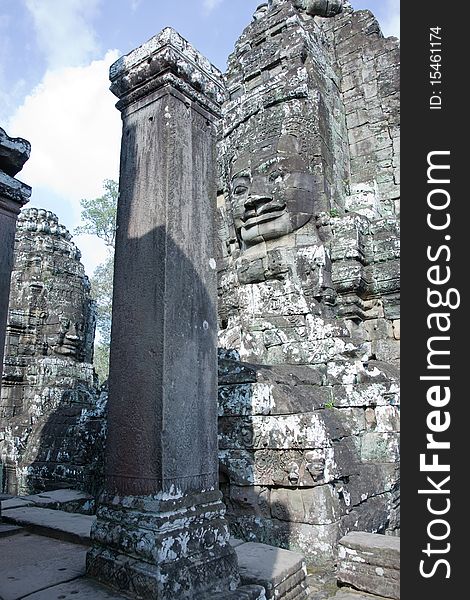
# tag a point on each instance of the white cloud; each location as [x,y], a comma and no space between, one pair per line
[210,5]
[63,31]
[93,251]
[391,22]
[74,130]
[8,91]
[135,4]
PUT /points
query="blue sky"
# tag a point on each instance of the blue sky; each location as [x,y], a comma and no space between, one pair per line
[54,61]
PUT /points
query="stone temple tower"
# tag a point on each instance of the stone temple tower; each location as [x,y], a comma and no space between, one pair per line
[308,266]
[47,393]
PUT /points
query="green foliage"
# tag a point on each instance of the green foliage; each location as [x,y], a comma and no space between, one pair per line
[101,361]
[99,219]
[99,214]
[329,405]
[334,212]
[102,292]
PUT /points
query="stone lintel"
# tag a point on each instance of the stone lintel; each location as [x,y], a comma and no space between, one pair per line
[167,59]
[14,152]
[13,194]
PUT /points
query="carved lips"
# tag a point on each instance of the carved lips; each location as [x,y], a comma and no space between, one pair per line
[263,213]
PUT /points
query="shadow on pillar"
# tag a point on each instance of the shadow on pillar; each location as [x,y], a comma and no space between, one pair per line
[161,531]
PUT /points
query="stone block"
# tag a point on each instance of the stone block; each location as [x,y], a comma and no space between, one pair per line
[15,503]
[301,431]
[387,350]
[316,506]
[279,571]
[379,329]
[380,447]
[67,500]
[396,329]
[287,468]
[370,563]
[298,537]
[14,152]
[58,524]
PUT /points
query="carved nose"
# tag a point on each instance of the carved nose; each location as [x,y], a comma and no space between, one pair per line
[72,334]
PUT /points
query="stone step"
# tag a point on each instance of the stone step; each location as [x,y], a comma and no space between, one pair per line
[65,499]
[370,563]
[56,524]
[282,573]
[7,530]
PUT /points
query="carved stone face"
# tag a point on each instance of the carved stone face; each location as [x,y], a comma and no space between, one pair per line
[66,337]
[271,194]
[50,311]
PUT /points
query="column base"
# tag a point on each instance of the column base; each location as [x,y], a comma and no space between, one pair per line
[163,547]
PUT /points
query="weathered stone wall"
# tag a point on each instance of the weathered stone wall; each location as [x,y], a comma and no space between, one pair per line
[309,279]
[306,458]
[51,422]
[370,87]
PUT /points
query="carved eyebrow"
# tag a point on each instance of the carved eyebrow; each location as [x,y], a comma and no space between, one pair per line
[241,174]
[268,164]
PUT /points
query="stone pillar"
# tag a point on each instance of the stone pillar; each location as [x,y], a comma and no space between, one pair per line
[161,531]
[14,152]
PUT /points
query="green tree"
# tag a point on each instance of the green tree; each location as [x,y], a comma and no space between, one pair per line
[99,215]
[99,218]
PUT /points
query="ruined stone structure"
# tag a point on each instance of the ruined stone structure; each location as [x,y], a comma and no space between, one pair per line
[309,322]
[309,277]
[51,423]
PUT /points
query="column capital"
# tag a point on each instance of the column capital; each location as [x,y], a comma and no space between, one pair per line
[14,152]
[13,194]
[167,59]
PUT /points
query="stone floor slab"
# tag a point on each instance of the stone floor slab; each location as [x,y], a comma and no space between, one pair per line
[79,589]
[353,595]
[60,499]
[16,502]
[53,523]
[248,592]
[31,562]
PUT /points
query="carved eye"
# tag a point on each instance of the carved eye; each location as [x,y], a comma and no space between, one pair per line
[276,176]
[240,190]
